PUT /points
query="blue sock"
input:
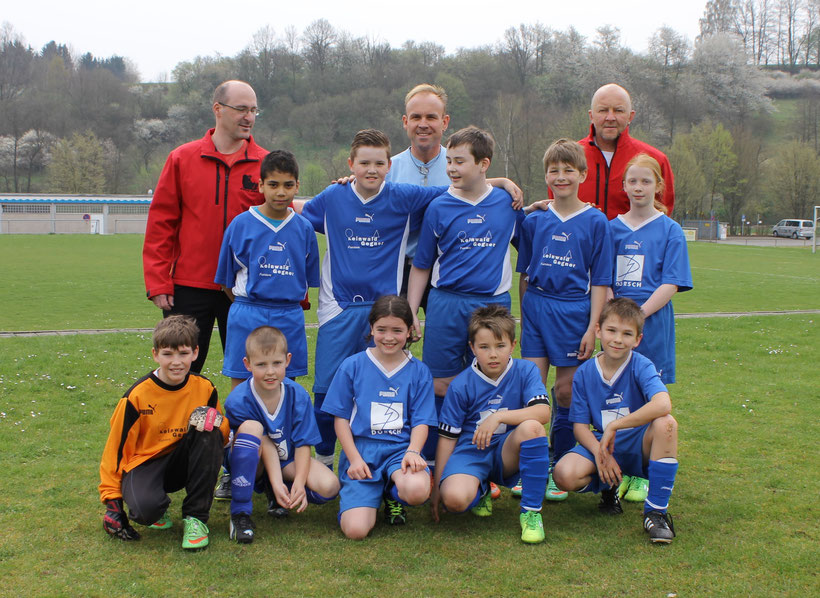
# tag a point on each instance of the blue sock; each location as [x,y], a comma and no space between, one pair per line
[325,423]
[661,482]
[315,498]
[534,466]
[563,438]
[393,491]
[244,461]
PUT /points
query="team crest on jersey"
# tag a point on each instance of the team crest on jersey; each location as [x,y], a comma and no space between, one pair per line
[477,219]
[386,418]
[468,242]
[266,269]
[629,270]
[548,258]
[358,241]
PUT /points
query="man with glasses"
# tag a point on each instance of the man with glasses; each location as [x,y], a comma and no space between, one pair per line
[203,186]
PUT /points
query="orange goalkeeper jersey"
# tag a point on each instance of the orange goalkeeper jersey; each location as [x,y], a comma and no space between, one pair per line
[149,420]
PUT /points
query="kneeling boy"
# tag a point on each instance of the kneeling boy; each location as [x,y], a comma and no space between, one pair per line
[492,427]
[166,434]
[620,394]
[272,415]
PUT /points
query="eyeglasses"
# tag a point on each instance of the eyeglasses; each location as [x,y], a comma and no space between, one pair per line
[243,109]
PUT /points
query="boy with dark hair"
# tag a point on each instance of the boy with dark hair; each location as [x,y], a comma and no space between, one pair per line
[491,426]
[565,259]
[272,417]
[166,434]
[465,241]
[619,395]
[366,223]
[268,260]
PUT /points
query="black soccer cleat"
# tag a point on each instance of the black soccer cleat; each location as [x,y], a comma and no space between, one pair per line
[242,528]
[394,512]
[223,488]
[610,503]
[274,510]
[659,526]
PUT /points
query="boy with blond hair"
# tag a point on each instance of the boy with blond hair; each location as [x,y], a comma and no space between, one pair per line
[273,422]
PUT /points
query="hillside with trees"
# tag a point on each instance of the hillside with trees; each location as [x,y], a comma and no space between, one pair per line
[736,110]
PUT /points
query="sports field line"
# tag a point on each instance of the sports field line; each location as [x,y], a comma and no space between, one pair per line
[759,274]
[76,331]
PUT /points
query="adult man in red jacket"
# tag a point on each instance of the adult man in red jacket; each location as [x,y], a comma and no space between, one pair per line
[204,185]
[609,148]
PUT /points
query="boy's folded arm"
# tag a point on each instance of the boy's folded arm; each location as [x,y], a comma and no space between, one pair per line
[658,406]
[512,417]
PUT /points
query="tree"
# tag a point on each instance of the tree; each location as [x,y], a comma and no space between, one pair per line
[690,187]
[718,17]
[731,90]
[319,38]
[794,179]
[78,165]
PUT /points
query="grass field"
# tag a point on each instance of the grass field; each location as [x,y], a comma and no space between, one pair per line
[745,501]
[90,281]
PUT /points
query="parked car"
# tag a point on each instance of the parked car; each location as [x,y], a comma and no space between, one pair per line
[794,228]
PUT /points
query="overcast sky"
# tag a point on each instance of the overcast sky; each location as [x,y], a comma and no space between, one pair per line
[156,35]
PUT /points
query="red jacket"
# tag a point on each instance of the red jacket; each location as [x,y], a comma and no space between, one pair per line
[196,197]
[604,187]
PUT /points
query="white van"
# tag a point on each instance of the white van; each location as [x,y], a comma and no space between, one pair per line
[794,228]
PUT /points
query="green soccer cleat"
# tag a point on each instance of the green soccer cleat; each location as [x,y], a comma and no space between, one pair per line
[638,489]
[624,486]
[532,528]
[163,522]
[554,493]
[516,490]
[484,508]
[195,534]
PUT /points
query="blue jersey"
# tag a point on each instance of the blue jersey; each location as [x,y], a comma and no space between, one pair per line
[292,424]
[472,397]
[563,257]
[598,401]
[366,241]
[268,264]
[467,244]
[382,405]
[649,255]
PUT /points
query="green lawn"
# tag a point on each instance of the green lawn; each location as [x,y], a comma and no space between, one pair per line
[91,281]
[744,503]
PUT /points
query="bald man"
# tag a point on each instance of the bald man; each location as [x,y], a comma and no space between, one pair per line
[609,148]
[204,184]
